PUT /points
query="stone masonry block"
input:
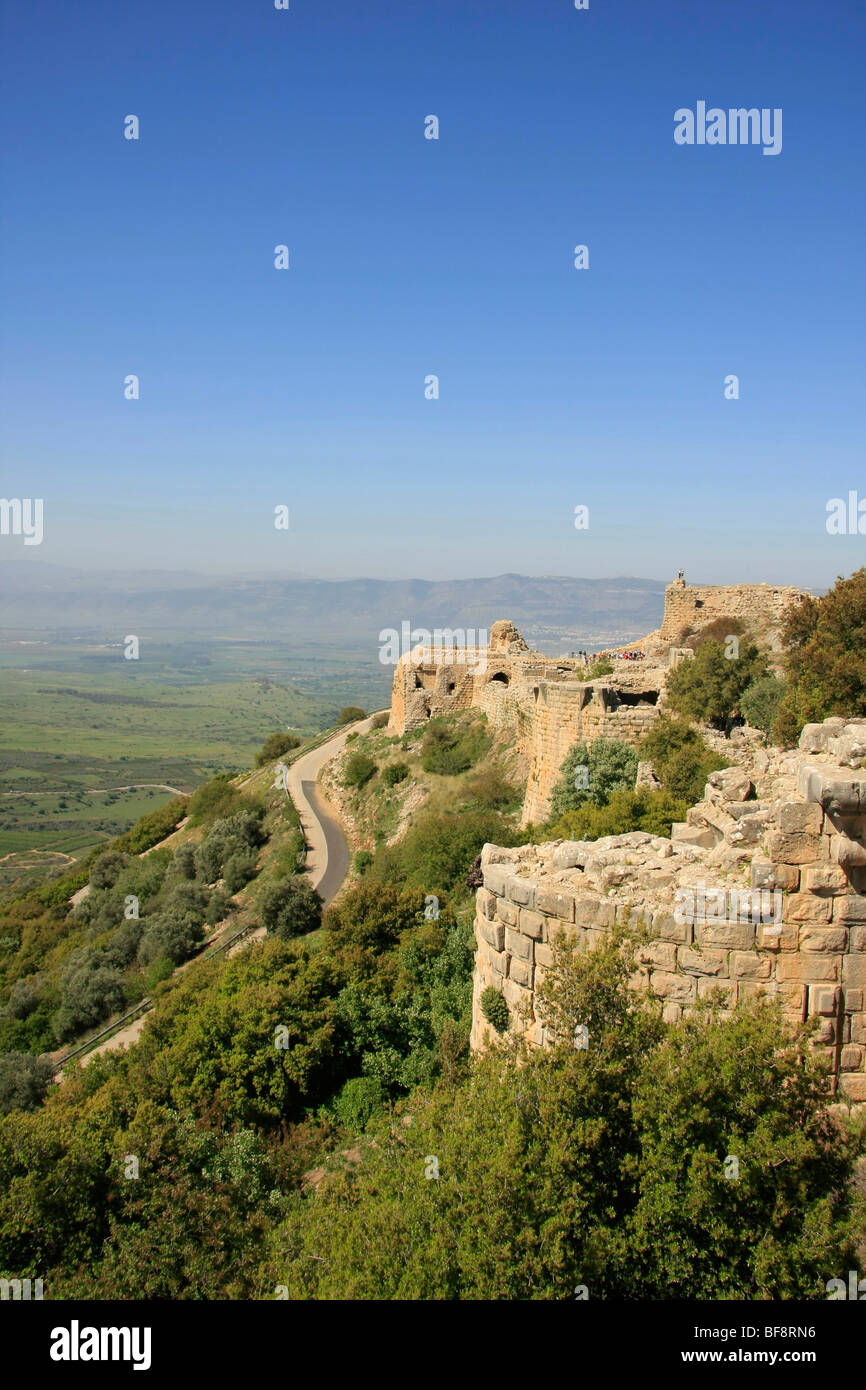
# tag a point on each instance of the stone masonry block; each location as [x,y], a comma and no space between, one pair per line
[707,987]
[854,1000]
[507,912]
[854,972]
[494,879]
[749,965]
[486,903]
[682,989]
[661,954]
[857,938]
[851,908]
[801,817]
[858,1028]
[515,995]
[543,956]
[555,903]
[824,878]
[519,945]
[853,1084]
[851,1058]
[520,971]
[707,962]
[805,907]
[813,938]
[807,969]
[667,928]
[797,849]
[737,936]
[771,876]
[531,923]
[520,891]
[492,932]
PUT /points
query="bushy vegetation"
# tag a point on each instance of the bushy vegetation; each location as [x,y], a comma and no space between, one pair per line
[290,908]
[711,686]
[618,1155]
[651,811]
[495,1008]
[358,769]
[394,773]
[275,746]
[681,760]
[607,766]
[824,640]
[349,714]
[760,703]
[450,747]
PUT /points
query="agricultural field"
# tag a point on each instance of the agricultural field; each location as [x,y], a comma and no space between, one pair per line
[89,742]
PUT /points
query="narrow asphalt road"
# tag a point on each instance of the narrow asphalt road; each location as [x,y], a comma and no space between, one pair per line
[327,852]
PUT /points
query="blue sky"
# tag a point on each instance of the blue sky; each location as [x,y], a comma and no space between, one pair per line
[558,387]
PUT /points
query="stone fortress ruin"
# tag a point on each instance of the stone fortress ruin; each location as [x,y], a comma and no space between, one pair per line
[784,830]
[547,702]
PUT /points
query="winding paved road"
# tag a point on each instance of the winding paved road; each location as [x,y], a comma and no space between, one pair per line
[327,852]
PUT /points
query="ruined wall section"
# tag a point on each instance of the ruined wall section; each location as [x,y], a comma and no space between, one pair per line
[790,823]
[759,606]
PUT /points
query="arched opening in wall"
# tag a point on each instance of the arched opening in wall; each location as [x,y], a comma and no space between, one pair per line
[451,687]
[535,694]
[500,677]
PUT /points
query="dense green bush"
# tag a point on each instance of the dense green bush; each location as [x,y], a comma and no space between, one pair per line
[653,812]
[450,747]
[349,714]
[394,773]
[680,758]
[91,991]
[24,1079]
[171,934]
[623,1146]
[824,640]
[240,833]
[215,800]
[358,769]
[490,788]
[275,746]
[610,766]
[437,851]
[494,1009]
[291,908]
[760,703]
[711,685]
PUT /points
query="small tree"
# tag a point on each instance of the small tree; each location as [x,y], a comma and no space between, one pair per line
[350,713]
[275,746]
[358,769]
[291,908]
[825,658]
[24,1079]
[608,765]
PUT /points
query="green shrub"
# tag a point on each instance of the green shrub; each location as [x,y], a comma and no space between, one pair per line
[759,705]
[172,934]
[610,766]
[653,812]
[349,714]
[362,861]
[437,851]
[238,869]
[598,668]
[681,759]
[394,773]
[275,746]
[358,1100]
[380,720]
[450,748]
[710,686]
[824,641]
[24,1079]
[358,769]
[495,1009]
[215,799]
[492,790]
[290,909]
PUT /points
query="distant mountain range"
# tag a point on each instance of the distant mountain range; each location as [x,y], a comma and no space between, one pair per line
[549,610]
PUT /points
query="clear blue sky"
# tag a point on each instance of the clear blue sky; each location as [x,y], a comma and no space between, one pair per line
[409,257]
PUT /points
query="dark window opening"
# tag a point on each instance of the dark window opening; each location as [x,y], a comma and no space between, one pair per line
[638,697]
[500,677]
